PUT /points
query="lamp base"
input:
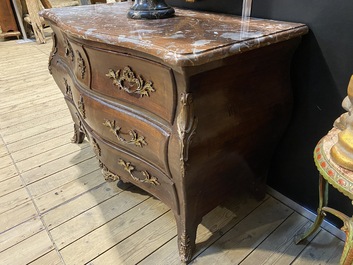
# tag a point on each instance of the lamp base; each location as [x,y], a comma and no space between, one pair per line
[155,9]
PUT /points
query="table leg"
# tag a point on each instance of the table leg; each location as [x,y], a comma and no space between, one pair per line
[186,229]
[78,135]
[347,255]
[323,200]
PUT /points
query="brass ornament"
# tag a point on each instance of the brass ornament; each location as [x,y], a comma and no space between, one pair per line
[52,53]
[81,65]
[116,130]
[108,175]
[68,50]
[68,91]
[81,107]
[79,134]
[186,124]
[185,250]
[80,131]
[128,82]
[130,169]
[96,147]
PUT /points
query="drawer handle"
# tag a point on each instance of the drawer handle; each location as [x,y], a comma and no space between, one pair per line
[107,174]
[135,138]
[128,82]
[130,168]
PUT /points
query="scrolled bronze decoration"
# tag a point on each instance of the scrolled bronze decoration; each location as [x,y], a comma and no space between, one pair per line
[128,82]
[96,147]
[81,64]
[68,50]
[135,138]
[79,134]
[81,129]
[185,250]
[130,168]
[81,107]
[108,175]
[52,53]
[68,91]
[186,123]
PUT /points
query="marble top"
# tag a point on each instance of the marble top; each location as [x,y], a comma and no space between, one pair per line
[188,38]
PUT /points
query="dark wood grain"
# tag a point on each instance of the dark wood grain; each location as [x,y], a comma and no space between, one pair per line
[199,133]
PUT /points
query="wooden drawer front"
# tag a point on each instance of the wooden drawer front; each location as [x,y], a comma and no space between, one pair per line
[81,65]
[62,77]
[121,128]
[143,83]
[119,164]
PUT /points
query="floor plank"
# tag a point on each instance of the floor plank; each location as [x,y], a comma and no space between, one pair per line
[63,177]
[37,129]
[15,106]
[97,216]
[13,199]
[279,247]
[213,226]
[51,258]
[68,191]
[22,126]
[236,245]
[17,215]
[40,138]
[10,185]
[20,232]
[74,208]
[322,249]
[3,150]
[139,245]
[55,166]
[37,150]
[8,172]
[49,156]
[27,250]
[23,114]
[5,161]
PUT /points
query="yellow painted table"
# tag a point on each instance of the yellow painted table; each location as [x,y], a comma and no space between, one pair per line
[342,180]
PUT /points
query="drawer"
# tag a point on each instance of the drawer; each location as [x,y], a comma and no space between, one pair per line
[121,128]
[81,66]
[62,77]
[118,164]
[134,80]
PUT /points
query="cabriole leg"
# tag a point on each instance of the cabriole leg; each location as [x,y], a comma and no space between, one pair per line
[323,200]
[186,239]
[347,255]
[78,135]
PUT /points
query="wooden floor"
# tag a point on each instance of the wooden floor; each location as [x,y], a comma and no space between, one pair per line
[56,208]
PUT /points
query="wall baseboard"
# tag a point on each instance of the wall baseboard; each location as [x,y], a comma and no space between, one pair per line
[306,213]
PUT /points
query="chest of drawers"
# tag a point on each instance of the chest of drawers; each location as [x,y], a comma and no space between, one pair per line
[188,108]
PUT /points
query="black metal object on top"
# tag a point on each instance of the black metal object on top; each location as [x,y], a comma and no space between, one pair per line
[150,9]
